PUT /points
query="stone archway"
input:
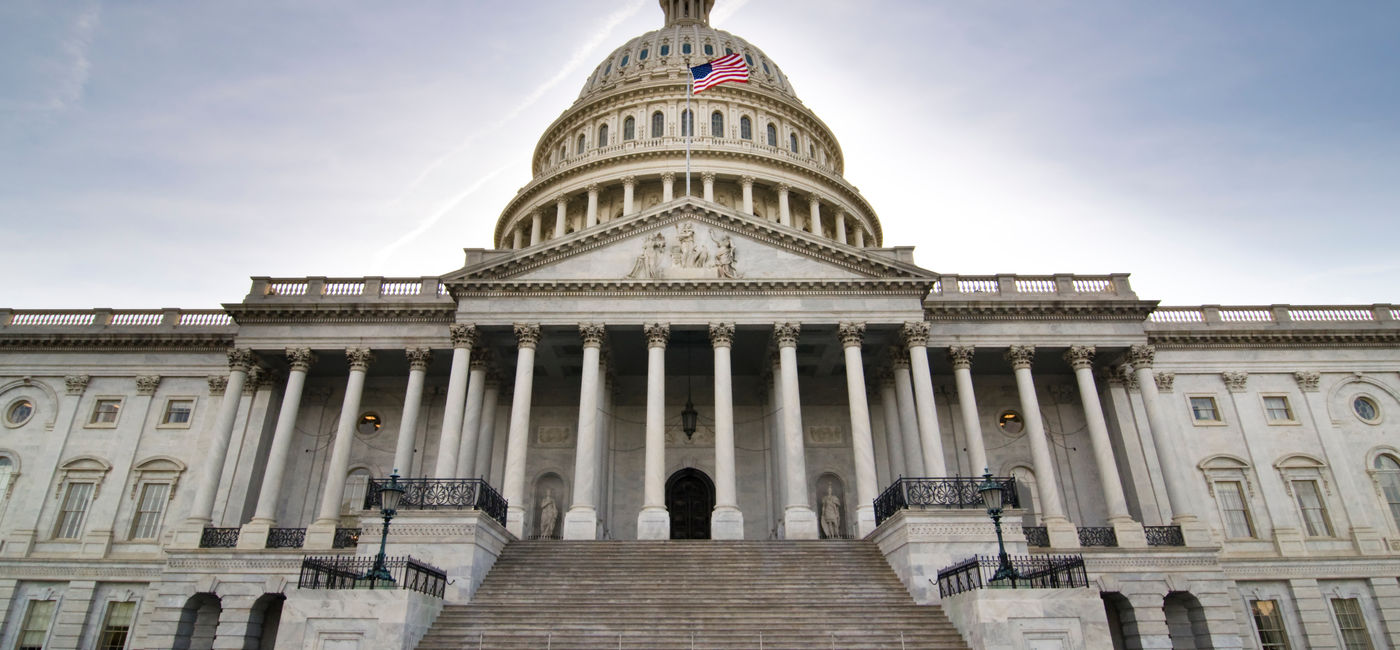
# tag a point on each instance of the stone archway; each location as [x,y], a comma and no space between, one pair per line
[199,622]
[690,498]
[1186,621]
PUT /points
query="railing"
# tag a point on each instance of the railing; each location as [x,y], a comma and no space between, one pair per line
[1097,536]
[1164,536]
[346,538]
[374,287]
[286,537]
[1037,536]
[149,318]
[1274,314]
[1033,572]
[348,572]
[950,492]
[442,494]
[218,537]
[1011,284]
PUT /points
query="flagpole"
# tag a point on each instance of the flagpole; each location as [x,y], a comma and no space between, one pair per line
[688,125]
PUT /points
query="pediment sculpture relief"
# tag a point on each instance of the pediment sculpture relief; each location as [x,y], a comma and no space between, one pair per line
[687,258]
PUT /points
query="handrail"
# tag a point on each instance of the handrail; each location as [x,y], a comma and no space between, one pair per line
[442,494]
[1032,572]
[351,572]
[945,492]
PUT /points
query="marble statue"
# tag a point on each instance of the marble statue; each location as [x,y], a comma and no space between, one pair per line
[549,514]
[831,514]
[648,264]
[724,254]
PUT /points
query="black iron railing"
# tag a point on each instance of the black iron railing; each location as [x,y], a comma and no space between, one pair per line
[286,537]
[1164,536]
[1037,536]
[348,572]
[442,494]
[947,492]
[1097,536]
[1033,571]
[218,537]
[346,538]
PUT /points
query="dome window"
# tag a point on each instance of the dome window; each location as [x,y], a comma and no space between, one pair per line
[772,135]
[629,128]
[607,69]
[642,56]
[583,143]
[792,141]
[602,136]
[658,124]
[709,50]
[728,51]
[685,48]
[765,69]
[717,124]
[624,62]
[665,50]
[749,59]
[687,123]
[745,128]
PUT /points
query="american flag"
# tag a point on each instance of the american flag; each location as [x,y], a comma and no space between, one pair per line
[730,67]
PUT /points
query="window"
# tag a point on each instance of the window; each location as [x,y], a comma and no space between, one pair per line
[146,523]
[104,412]
[582,142]
[177,412]
[772,135]
[629,128]
[642,56]
[709,50]
[685,48]
[368,424]
[1366,409]
[70,515]
[1314,512]
[1203,409]
[1010,422]
[1388,478]
[607,69]
[687,123]
[7,473]
[35,628]
[728,51]
[116,625]
[658,124]
[624,62]
[19,412]
[1233,510]
[765,68]
[354,496]
[1268,620]
[717,124]
[1277,410]
[1351,624]
[749,60]
[602,136]
[666,50]
[792,142]
[746,128]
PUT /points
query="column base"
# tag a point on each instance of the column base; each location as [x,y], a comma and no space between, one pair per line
[1193,532]
[726,522]
[320,535]
[581,522]
[865,521]
[188,534]
[253,535]
[19,543]
[1368,541]
[1289,541]
[1062,532]
[515,521]
[800,522]
[654,522]
[1130,533]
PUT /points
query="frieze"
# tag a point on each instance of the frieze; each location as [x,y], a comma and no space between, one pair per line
[428,530]
[342,314]
[1177,340]
[1017,309]
[691,288]
[116,342]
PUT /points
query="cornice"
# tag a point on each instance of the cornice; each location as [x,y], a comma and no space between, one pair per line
[1318,338]
[341,313]
[115,341]
[690,288]
[1038,310]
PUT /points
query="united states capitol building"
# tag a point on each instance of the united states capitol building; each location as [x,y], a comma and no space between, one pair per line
[724,386]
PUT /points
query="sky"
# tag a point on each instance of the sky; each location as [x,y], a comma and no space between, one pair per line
[158,153]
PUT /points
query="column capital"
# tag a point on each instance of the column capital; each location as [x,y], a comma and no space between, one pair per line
[1164,380]
[76,384]
[629,180]
[493,378]
[561,198]
[852,334]
[915,333]
[418,358]
[1141,356]
[885,377]
[591,334]
[464,335]
[899,360]
[961,356]
[1236,381]
[783,188]
[657,334]
[217,384]
[814,197]
[536,213]
[722,335]
[708,177]
[481,359]
[527,335]
[359,358]
[259,377]
[147,384]
[240,359]
[592,188]
[747,180]
[1020,356]
[1128,377]
[300,358]
[786,334]
[668,176]
[1080,356]
[1307,381]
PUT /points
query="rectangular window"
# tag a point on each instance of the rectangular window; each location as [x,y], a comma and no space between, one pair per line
[116,625]
[70,516]
[105,411]
[1276,408]
[1314,512]
[1203,409]
[146,523]
[1351,624]
[35,628]
[1233,510]
[177,412]
[1268,619]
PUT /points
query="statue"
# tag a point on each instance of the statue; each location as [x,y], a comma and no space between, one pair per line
[724,254]
[549,514]
[648,264]
[687,254]
[831,514]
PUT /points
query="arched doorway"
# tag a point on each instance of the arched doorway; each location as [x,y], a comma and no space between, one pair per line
[690,498]
[199,621]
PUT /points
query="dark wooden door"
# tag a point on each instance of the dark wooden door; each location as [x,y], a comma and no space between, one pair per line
[690,499]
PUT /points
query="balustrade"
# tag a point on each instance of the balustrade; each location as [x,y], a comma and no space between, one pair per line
[1098,536]
[1032,572]
[219,537]
[1164,536]
[349,572]
[442,494]
[951,492]
[286,537]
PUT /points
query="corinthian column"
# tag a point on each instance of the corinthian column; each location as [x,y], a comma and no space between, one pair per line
[561,210]
[581,521]
[322,531]
[629,190]
[746,182]
[908,419]
[784,211]
[840,226]
[915,336]
[862,446]
[471,418]
[894,438]
[961,358]
[1177,473]
[486,434]
[708,179]
[527,336]
[418,359]
[1130,533]
[668,187]
[1052,510]
[464,338]
[535,228]
[799,521]
[816,214]
[254,533]
[592,216]
[654,522]
[202,510]
[726,522]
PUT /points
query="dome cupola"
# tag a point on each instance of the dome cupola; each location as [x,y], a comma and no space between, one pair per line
[687,11]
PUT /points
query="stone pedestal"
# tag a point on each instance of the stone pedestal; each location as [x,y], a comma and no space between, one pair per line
[653,523]
[1130,533]
[1063,533]
[253,535]
[865,521]
[581,522]
[1013,619]
[386,619]
[464,544]
[727,523]
[188,534]
[800,522]
[1368,541]
[920,543]
[320,535]
[1194,532]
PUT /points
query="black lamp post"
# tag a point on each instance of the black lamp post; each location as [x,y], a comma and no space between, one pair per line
[389,496]
[992,495]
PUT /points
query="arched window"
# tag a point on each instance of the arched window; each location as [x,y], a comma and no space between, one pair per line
[607,69]
[749,60]
[658,124]
[745,128]
[354,496]
[1388,477]
[792,141]
[709,50]
[728,51]
[811,151]
[602,136]
[624,62]
[642,56]
[7,471]
[772,135]
[687,123]
[629,128]
[582,142]
[666,49]
[685,48]
[717,124]
[563,152]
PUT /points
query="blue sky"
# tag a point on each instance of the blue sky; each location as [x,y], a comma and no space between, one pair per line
[158,153]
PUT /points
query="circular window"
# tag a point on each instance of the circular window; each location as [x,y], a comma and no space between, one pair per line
[19,412]
[1366,409]
[1011,423]
[368,424]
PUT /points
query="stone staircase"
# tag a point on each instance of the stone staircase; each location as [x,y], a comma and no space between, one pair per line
[692,594]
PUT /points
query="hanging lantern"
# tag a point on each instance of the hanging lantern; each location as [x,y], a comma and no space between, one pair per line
[689,417]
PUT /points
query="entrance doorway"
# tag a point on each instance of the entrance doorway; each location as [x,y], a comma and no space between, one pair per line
[690,498]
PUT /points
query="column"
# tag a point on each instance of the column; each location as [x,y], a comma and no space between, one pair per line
[471,418]
[840,225]
[708,181]
[915,336]
[1177,473]
[860,236]
[668,187]
[254,533]
[605,391]
[894,438]
[815,224]
[1062,533]
[1364,533]
[908,420]
[486,435]
[561,213]
[799,521]
[527,336]
[464,338]
[727,521]
[960,356]
[1130,533]
[418,359]
[654,522]
[778,444]
[581,520]
[201,511]
[784,211]
[515,238]
[629,190]
[535,234]
[862,446]
[321,532]
[591,219]
[746,182]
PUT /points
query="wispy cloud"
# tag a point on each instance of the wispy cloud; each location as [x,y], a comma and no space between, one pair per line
[75,46]
[384,252]
[724,11]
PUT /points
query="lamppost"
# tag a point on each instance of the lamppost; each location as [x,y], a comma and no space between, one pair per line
[389,496]
[991,493]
